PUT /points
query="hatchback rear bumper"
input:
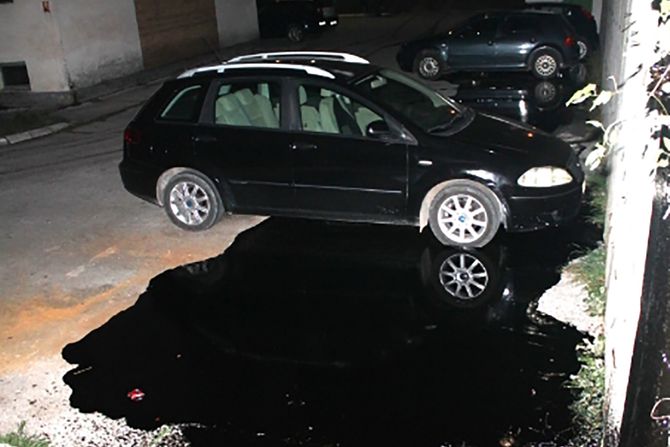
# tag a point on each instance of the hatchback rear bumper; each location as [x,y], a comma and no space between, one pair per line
[139,179]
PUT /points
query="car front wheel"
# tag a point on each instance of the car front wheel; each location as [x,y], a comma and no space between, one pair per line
[464,214]
[191,202]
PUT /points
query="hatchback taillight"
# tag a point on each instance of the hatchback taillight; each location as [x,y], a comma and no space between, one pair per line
[132,136]
[587,14]
[569,41]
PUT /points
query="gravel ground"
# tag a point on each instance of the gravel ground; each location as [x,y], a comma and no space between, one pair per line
[566,302]
[40,397]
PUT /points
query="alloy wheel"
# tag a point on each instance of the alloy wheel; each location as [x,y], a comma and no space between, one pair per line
[462,218]
[463,276]
[189,203]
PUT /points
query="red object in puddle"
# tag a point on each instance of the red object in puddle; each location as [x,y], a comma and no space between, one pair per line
[136,395]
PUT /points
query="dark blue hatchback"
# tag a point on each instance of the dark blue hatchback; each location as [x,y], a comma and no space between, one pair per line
[541,42]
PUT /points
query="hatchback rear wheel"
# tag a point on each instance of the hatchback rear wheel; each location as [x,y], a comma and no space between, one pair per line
[428,64]
[191,202]
[545,63]
[295,33]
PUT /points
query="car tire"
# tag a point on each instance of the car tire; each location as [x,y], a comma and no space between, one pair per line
[545,93]
[429,65]
[192,202]
[464,214]
[295,32]
[545,63]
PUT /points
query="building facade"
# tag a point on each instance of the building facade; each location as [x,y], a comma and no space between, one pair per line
[50,48]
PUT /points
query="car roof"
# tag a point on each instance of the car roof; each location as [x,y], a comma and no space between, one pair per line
[339,67]
[515,12]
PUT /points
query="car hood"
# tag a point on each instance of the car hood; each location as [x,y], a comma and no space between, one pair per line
[499,134]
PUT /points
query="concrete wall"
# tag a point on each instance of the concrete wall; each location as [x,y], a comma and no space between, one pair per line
[29,34]
[100,39]
[629,33]
[237,21]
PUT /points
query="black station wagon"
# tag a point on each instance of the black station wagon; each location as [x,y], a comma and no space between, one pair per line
[331,136]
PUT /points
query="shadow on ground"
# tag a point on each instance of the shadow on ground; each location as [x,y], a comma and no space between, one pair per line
[309,333]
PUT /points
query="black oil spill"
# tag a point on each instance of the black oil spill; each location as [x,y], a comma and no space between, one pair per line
[309,333]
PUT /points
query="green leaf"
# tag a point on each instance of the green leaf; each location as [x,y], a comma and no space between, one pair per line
[603,98]
[595,158]
[596,123]
[582,95]
[665,8]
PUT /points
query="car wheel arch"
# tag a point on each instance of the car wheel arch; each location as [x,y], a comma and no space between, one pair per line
[432,192]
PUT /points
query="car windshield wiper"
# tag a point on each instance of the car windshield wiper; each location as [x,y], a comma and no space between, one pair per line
[447,125]
[444,126]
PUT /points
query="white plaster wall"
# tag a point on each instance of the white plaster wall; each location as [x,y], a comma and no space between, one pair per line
[100,39]
[237,21]
[29,34]
[629,42]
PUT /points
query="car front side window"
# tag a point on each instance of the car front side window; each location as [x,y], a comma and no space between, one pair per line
[327,111]
[248,104]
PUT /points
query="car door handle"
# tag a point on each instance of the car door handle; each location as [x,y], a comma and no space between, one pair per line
[302,146]
[204,138]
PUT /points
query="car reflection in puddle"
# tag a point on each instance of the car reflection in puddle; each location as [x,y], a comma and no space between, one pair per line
[310,333]
[540,103]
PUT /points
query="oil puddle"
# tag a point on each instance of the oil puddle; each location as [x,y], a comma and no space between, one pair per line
[317,334]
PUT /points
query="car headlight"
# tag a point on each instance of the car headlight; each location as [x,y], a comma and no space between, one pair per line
[544,177]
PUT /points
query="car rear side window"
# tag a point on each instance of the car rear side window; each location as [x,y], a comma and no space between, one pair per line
[248,104]
[519,25]
[184,105]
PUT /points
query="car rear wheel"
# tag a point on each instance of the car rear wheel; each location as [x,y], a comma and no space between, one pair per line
[545,63]
[191,202]
[429,65]
[295,33]
[464,214]
[583,48]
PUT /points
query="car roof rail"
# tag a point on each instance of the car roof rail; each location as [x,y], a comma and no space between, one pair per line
[316,71]
[343,57]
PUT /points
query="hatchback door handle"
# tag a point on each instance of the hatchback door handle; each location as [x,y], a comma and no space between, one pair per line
[204,138]
[302,146]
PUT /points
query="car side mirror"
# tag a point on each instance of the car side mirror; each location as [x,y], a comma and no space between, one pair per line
[378,129]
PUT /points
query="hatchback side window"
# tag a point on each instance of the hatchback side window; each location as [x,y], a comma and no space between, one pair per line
[519,25]
[184,104]
[323,110]
[248,104]
[484,28]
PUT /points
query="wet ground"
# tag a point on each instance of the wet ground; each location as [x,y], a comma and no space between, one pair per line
[311,333]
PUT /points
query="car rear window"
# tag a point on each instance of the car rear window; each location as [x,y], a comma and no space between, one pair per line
[184,104]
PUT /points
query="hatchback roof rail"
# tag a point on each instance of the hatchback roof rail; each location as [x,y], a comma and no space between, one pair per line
[316,71]
[344,57]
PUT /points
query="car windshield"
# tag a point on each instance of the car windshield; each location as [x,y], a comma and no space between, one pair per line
[419,104]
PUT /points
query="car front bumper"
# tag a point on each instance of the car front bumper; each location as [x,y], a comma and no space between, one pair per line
[528,212]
